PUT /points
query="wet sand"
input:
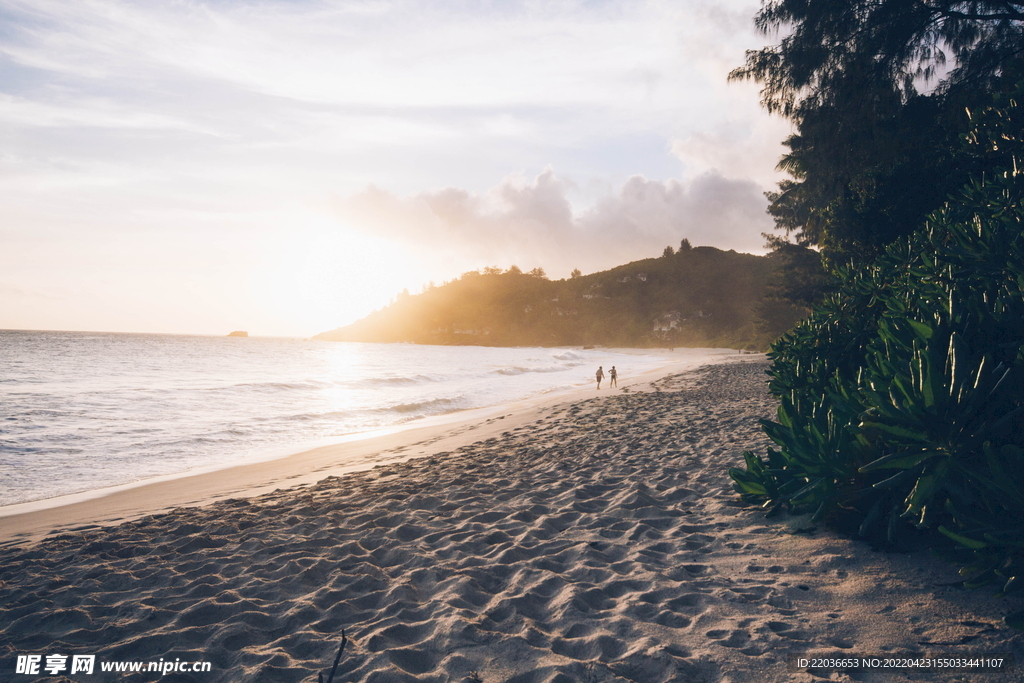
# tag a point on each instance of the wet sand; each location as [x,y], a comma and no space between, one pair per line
[591,540]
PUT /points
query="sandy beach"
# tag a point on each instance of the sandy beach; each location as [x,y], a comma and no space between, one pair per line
[594,538]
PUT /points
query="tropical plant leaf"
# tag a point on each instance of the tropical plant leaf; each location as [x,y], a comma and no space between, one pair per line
[962,540]
[1015,619]
[901,397]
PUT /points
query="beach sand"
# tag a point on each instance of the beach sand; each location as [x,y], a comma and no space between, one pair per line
[590,540]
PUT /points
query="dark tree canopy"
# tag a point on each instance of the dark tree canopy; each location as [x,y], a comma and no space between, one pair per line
[872,156]
[893,43]
[864,178]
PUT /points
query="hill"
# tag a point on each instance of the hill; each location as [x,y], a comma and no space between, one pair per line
[694,297]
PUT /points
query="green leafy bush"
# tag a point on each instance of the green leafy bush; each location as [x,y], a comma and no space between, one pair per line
[902,397]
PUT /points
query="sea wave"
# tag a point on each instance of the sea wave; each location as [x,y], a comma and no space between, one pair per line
[390,381]
[517,370]
[273,386]
[325,416]
[434,405]
[315,385]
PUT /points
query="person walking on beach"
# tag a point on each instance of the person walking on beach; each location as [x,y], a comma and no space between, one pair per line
[599,375]
[613,377]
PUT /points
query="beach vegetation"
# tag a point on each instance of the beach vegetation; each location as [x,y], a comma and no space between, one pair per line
[901,415]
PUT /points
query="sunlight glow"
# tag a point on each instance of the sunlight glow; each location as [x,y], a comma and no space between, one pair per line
[323,274]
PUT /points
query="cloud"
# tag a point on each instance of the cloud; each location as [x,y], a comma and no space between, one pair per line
[533,223]
[351,88]
[747,148]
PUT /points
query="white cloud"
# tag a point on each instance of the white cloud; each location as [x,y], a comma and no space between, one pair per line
[534,223]
[86,113]
[739,147]
[376,76]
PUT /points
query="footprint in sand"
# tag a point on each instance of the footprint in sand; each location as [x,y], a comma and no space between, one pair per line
[735,638]
[751,593]
[781,628]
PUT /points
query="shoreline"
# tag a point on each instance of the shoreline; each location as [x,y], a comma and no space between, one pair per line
[189,406]
[596,540]
[33,520]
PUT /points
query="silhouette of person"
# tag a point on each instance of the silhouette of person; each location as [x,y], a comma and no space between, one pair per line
[599,375]
[613,377]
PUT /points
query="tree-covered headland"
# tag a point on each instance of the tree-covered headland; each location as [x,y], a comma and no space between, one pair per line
[693,296]
[901,414]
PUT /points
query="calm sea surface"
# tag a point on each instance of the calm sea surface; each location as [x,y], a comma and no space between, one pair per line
[81,411]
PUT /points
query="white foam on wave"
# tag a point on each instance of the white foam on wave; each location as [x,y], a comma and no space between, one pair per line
[390,381]
[520,370]
[430,406]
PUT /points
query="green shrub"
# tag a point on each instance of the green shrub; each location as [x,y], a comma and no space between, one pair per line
[902,397]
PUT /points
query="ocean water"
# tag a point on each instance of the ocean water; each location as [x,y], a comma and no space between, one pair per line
[81,411]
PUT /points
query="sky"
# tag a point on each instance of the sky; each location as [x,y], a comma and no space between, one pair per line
[288,166]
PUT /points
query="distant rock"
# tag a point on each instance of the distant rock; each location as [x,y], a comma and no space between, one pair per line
[239,333]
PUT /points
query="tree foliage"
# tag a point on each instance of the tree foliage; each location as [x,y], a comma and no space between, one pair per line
[872,156]
[888,44]
[902,396]
[862,179]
